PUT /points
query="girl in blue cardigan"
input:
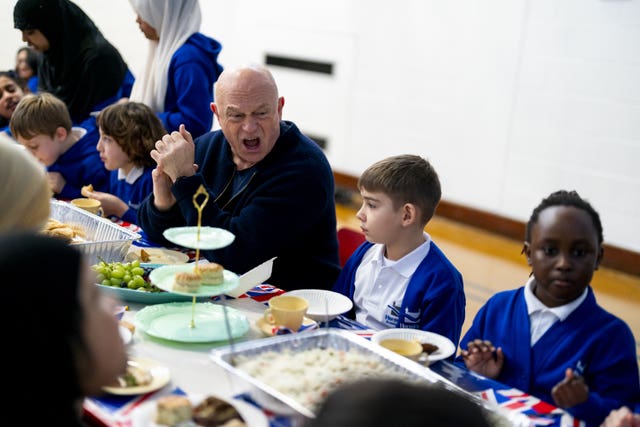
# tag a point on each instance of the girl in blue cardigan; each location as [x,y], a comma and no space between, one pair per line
[128,133]
[550,338]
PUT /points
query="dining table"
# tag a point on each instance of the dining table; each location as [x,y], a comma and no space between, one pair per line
[194,373]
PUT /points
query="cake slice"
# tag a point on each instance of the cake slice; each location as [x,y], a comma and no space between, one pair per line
[173,410]
[212,273]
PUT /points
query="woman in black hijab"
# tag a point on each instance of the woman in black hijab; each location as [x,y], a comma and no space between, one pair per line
[79,65]
[62,331]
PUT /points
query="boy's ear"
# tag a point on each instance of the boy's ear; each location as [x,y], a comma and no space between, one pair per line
[409,213]
[60,133]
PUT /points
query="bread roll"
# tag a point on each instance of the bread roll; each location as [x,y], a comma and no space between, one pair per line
[187,282]
[212,274]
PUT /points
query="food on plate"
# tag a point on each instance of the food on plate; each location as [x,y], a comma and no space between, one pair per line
[429,348]
[156,255]
[135,376]
[407,348]
[86,190]
[206,274]
[213,412]
[67,232]
[124,275]
[186,282]
[212,273]
[144,256]
[173,410]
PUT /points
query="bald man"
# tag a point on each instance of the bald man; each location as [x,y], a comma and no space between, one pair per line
[268,184]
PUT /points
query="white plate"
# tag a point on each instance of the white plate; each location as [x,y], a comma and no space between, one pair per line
[210,237]
[157,256]
[323,304]
[126,334]
[145,414]
[163,278]
[160,377]
[445,346]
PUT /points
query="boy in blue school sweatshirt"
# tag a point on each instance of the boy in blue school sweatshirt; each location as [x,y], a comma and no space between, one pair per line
[41,122]
[128,133]
[399,278]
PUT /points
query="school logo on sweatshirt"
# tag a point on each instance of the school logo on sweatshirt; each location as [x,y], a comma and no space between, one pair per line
[410,319]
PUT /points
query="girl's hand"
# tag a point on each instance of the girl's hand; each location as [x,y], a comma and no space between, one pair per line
[482,357]
[571,391]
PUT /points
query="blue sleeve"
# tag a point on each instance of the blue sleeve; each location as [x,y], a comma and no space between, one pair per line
[130,216]
[188,99]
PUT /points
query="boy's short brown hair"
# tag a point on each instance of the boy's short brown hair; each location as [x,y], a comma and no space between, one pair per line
[405,179]
[39,114]
[134,127]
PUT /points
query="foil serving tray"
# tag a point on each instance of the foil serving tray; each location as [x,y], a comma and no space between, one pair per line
[338,339]
[105,240]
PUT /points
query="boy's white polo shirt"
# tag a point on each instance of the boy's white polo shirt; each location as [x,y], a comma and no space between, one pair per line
[380,284]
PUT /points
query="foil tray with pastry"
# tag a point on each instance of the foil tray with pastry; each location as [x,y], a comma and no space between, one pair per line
[98,238]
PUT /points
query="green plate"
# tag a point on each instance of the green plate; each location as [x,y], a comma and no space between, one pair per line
[210,237]
[132,295]
[172,321]
[163,278]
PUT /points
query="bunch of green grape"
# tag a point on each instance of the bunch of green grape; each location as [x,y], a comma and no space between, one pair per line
[123,275]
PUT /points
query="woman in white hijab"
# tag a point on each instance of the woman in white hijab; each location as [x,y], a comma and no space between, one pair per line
[182,64]
[25,195]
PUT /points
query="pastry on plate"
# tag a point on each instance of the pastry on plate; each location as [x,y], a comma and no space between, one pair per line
[212,273]
[187,282]
[173,410]
[213,411]
[135,376]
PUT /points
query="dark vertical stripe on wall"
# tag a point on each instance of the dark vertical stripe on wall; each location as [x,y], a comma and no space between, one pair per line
[299,64]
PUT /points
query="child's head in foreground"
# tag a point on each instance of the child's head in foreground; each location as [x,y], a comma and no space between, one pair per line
[401,190]
[41,122]
[128,133]
[563,245]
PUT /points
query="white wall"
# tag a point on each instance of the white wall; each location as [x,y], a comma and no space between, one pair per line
[509,99]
